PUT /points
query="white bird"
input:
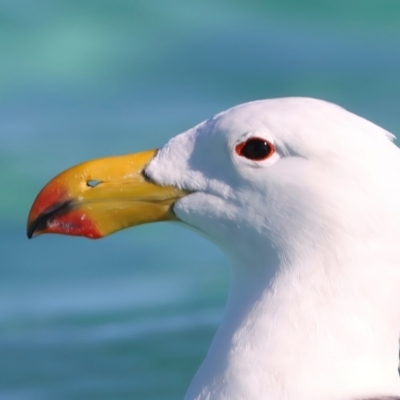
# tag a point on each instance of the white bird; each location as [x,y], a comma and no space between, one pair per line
[304,198]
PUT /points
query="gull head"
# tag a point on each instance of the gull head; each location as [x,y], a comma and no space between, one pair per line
[262,179]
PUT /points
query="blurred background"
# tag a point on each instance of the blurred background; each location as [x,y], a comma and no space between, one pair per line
[132,316]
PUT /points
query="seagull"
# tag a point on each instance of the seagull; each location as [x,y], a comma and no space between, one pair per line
[303,197]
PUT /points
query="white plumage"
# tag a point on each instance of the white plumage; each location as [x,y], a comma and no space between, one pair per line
[313,235]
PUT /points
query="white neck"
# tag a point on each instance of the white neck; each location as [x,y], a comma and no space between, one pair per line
[321,328]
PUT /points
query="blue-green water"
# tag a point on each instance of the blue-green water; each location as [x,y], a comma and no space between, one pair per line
[132,315]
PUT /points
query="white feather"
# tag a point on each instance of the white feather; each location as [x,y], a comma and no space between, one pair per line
[313,235]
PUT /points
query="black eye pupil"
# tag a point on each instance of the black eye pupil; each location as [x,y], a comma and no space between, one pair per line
[256,149]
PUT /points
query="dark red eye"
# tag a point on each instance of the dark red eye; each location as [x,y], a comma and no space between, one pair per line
[255,149]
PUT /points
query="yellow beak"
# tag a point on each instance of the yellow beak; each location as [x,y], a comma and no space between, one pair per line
[101,196]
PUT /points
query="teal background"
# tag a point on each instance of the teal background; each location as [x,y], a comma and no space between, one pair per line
[131,316]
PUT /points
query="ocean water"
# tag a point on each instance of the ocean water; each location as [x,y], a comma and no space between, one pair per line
[132,316]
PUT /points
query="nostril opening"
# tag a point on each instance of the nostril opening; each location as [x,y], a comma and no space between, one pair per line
[93,183]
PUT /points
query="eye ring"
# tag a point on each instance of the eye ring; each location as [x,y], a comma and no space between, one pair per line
[256,149]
